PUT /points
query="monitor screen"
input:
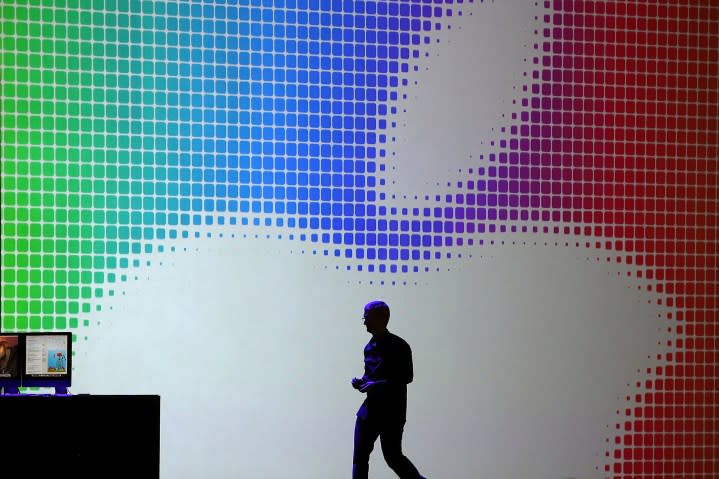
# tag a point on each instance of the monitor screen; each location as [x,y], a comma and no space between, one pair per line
[48,360]
[10,360]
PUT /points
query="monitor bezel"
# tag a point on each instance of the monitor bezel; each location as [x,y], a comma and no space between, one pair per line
[62,381]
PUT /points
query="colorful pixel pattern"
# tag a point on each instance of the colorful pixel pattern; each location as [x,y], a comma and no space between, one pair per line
[619,139]
[129,124]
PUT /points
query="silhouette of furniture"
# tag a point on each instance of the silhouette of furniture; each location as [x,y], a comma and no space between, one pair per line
[83,436]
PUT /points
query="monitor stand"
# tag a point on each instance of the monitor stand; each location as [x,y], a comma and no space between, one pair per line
[60,390]
[9,390]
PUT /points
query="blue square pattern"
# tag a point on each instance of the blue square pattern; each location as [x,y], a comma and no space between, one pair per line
[279,108]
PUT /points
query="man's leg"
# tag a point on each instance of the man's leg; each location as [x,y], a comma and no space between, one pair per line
[391,438]
[366,432]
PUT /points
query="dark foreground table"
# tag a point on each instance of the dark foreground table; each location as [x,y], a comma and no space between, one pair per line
[80,436]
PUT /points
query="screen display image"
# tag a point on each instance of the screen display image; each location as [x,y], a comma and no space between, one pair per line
[9,352]
[46,355]
[56,362]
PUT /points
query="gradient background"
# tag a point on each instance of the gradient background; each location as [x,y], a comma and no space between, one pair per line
[207,193]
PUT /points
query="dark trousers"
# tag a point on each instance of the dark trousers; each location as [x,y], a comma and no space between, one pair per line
[367,428]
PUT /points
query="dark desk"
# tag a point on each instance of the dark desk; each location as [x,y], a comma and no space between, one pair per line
[80,436]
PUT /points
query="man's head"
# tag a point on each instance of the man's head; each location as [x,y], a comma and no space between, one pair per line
[376,317]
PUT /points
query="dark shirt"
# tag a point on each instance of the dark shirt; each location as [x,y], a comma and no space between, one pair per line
[387,358]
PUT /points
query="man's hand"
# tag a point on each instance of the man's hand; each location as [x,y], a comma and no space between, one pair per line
[369,385]
[357,383]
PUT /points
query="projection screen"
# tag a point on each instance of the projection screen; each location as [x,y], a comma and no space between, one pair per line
[207,193]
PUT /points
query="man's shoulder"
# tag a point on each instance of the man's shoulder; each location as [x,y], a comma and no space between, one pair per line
[397,340]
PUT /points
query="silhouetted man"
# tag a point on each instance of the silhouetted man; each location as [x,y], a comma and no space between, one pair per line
[387,371]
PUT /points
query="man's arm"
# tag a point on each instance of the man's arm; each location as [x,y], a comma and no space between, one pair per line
[404,370]
[357,383]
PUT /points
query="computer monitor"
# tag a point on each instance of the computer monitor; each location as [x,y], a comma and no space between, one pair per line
[47,360]
[10,362]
